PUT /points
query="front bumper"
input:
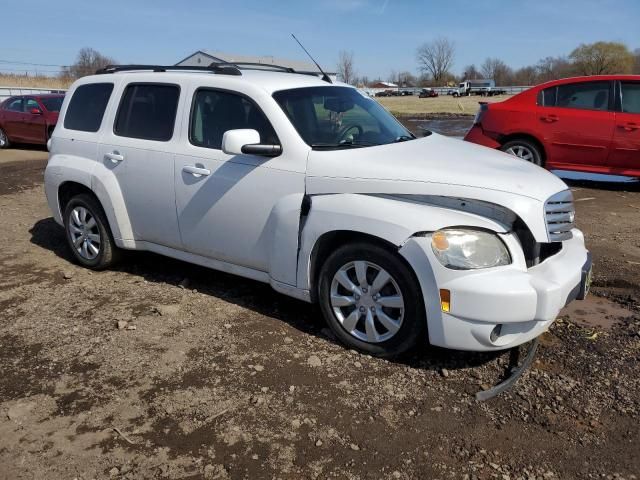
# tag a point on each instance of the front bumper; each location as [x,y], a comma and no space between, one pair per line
[522,301]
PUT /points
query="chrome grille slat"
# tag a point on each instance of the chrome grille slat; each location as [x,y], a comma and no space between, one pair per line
[559,215]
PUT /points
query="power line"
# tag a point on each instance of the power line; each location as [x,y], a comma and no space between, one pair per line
[11,62]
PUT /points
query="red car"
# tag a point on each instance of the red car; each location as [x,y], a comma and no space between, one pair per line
[28,118]
[588,124]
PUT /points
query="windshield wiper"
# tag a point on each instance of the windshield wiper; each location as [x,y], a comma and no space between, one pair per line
[404,138]
[329,146]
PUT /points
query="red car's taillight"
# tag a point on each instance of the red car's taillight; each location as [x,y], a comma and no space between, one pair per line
[484,106]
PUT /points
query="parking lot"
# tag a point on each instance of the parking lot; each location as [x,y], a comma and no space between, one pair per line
[160,369]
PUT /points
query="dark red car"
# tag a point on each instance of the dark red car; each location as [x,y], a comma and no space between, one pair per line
[427,93]
[588,124]
[28,118]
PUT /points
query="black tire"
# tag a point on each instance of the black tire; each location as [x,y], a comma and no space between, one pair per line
[413,328]
[4,139]
[523,144]
[108,253]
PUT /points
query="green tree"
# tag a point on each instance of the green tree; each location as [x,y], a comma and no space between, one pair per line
[602,58]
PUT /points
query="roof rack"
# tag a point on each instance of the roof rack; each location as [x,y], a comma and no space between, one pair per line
[255,66]
[223,69]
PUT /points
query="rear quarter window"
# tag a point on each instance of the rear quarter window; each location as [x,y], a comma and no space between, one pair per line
[87,106]
[148,112]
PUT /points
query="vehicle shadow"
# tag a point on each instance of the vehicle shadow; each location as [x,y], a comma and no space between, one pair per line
[250,294]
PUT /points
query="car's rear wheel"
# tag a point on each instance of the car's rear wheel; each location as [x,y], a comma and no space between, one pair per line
[4,139]
[524,149]
[88,233]
[371,300]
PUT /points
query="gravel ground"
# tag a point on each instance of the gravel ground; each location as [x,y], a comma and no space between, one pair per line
[160,369]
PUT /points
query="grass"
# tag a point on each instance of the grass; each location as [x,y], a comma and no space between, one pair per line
[29,81]
[412,105]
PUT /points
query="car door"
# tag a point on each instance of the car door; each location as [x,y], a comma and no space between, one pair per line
[34,126]
[575,122]
[625,150]
[224,202]
[140,151]
[14,118]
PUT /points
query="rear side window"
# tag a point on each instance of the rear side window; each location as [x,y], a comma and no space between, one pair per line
[215,112]
[630,93]
[87,106]
[148,111]
[584,95]
[547,97]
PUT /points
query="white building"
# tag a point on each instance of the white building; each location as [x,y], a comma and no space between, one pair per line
[203,58]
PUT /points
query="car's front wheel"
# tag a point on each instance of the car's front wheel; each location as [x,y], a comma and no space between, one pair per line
[88,233]
[371,300]
[524,149]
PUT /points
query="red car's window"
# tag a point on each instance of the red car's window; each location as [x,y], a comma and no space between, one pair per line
[15,105]
[584,95]
[630,94]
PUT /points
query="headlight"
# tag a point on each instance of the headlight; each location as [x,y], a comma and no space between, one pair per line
[469,249]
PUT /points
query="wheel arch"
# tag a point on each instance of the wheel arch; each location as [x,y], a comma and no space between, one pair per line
[332,240]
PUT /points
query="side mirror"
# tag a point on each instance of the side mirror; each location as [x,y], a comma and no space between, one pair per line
[247,141]
[35,111]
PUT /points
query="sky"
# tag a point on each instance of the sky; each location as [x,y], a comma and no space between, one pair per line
[382,34]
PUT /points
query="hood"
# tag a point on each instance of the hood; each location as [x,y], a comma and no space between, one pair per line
[441,166]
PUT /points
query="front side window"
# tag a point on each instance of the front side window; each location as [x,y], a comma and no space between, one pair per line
[15,105]
[52,104]
[215,112]
[148,112]
[339,117]
[584,95]
[87,106]
[630,93]
[30,104]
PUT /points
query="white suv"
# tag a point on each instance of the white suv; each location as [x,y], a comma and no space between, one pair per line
[317,190]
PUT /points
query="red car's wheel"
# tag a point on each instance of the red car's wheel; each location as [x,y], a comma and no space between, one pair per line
[524,149]
[4,140]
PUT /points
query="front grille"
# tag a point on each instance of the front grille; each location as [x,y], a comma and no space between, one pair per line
[559,214]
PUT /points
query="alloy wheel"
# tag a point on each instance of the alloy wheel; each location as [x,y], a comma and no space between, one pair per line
[522,152]
[367,301]
[84,233]
[3,138]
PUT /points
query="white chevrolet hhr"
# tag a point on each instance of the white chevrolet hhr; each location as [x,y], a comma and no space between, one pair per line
[317,190]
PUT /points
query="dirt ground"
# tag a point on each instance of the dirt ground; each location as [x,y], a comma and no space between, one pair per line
[412,105]
[160,369]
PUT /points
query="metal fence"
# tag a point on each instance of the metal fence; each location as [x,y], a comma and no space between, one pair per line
[511,90]
[6,92]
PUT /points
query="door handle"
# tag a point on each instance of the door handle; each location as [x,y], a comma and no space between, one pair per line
[549,118]
[115,157]
[629,127]
[196,171]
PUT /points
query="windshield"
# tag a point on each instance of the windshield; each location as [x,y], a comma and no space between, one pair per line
[339,117]
[52,104]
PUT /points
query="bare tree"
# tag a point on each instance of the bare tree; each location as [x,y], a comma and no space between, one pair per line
[436,58]
[636,65]
[525,76]
[602,58]
[406,79]
[471,72]
[553,68]
[496,69]
[346,70]
[87,62]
